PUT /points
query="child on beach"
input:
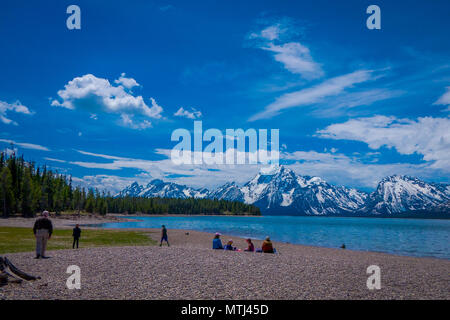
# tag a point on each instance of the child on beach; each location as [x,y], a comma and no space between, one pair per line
[229,245]
[164,236]
[76,234]
[217,243]
[250,247]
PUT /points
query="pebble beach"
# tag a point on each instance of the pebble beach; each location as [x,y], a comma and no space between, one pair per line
[190,269]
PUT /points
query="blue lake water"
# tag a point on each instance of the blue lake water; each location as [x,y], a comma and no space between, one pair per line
[410,237]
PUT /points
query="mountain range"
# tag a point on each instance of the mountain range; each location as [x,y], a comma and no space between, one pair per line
[280,191]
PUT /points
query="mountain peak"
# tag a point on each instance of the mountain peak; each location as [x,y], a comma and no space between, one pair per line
[272,170]
[400,193]
[397,178]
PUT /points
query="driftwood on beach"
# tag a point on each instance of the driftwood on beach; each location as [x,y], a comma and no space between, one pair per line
[10,273]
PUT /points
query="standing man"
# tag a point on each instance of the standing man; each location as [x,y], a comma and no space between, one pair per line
[76,235]
[164,236]
[43,229]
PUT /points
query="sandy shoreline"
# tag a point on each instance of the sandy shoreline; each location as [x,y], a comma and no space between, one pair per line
[190,269]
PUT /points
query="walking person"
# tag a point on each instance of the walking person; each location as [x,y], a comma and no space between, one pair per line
[43,229]
[76,234]
[164,236]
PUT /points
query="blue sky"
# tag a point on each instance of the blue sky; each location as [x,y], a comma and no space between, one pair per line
[352,104]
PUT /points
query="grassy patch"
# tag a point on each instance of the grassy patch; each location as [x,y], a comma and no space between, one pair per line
[14,239]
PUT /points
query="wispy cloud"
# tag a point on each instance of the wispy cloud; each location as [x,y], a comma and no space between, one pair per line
[270,33]
[55,160]
[332,166]
[25,145]
[295,56]
[426,136]
[297,59]
[444,99]
[352,172]
[342,104]
[315,94]
[99,155]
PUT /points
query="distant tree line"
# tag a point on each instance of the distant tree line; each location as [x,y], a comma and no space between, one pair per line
[27,189]
[133,205]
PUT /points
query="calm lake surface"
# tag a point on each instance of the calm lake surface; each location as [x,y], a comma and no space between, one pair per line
[410,237]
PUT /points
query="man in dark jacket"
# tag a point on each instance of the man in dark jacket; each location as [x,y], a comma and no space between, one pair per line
[43,229]
[76,234]
[164,236]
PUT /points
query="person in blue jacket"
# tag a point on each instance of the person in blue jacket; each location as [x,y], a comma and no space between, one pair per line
[217,243]
[229,246]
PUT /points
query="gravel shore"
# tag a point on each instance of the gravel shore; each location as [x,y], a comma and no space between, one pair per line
[189,269]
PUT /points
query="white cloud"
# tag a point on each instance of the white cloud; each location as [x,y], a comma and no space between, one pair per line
[426,136]
[127,82]
[269,33]
[194,175]
[334,168]
[16,107]
[193,114]
[25,145]
[127,121]
[97,94]
[55,160]
[99,155]
[444,99]
[315,94]
[105,182]
[366,97]
[295,56]
[354,171]
[297,59]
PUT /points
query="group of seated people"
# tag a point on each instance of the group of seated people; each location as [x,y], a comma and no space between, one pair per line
[266,247]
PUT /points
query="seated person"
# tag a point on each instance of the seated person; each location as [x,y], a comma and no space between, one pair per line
[267,246]
[217,243]
[251,247]
[229,245]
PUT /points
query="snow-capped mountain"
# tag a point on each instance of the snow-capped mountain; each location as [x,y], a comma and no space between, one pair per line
[280,191]
[132,190]
[396,194]
[159,188]
[229,191]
